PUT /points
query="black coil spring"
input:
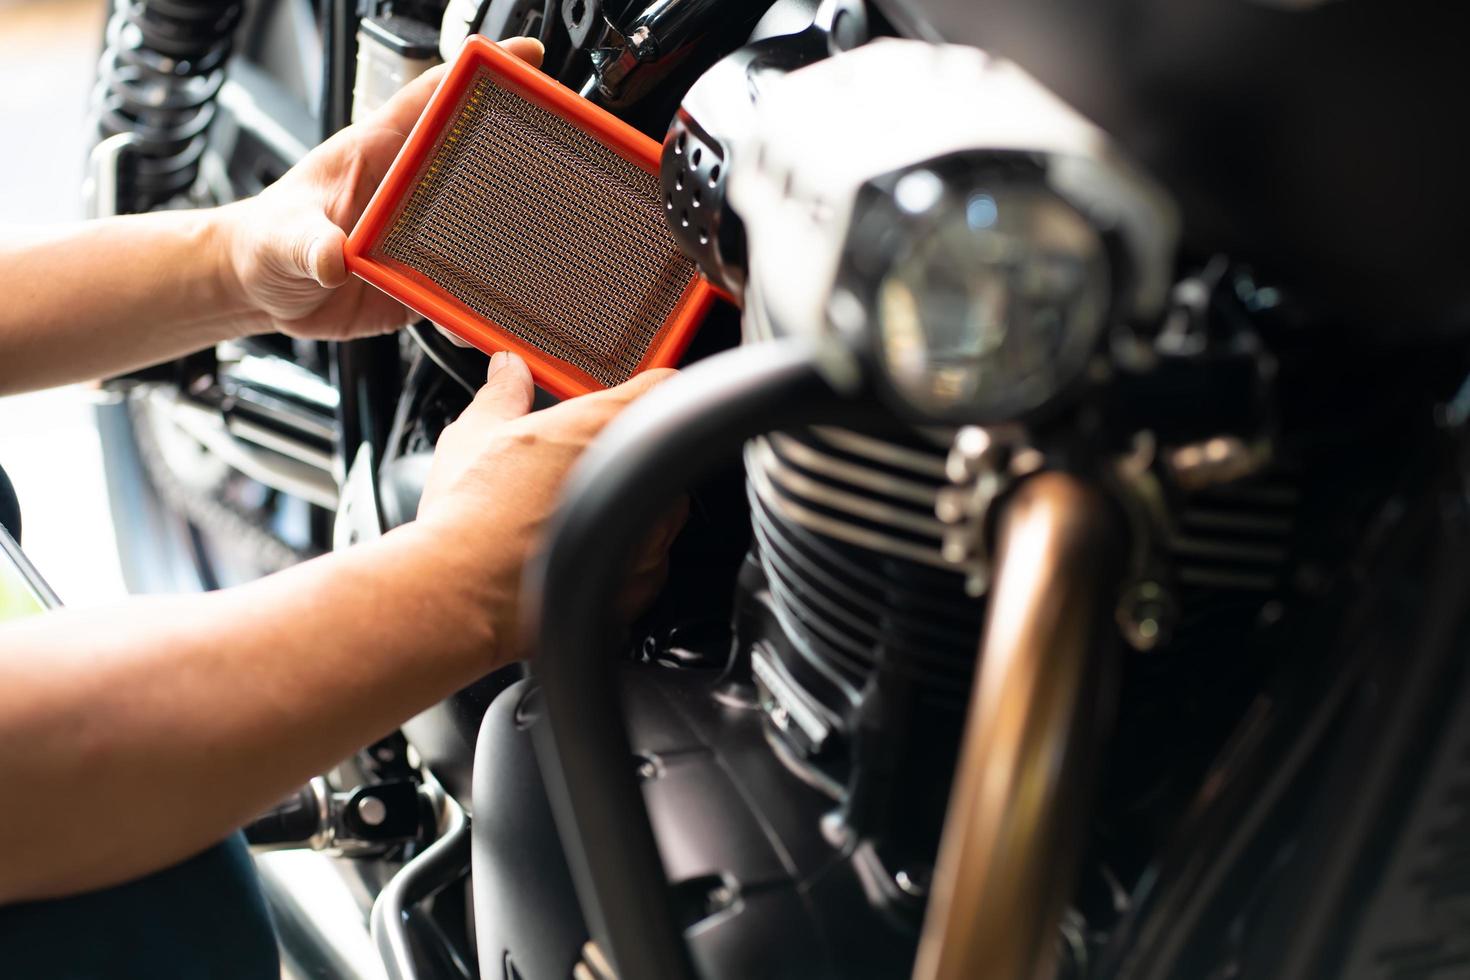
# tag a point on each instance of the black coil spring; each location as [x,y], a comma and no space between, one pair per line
[161,70]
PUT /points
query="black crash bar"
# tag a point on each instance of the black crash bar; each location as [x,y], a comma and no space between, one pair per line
[661,445]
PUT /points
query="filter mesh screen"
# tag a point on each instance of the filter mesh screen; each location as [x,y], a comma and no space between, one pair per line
[541,229]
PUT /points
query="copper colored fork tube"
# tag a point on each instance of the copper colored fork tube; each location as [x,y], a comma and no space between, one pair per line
[1017,809]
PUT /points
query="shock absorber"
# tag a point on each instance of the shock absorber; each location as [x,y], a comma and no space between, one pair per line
[161,69]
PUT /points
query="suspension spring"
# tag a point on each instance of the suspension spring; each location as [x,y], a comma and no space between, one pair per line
[162,67]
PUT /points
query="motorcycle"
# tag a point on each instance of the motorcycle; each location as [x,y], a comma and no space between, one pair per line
[1074,584]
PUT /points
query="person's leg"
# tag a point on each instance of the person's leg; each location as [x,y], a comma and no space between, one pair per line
[205,918]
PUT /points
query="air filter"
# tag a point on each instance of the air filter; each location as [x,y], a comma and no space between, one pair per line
[521,217]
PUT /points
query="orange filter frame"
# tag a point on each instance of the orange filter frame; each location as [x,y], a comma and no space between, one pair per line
[652,344]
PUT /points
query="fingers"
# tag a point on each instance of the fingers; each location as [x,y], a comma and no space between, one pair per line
[338,178]
[528,49]
[641,384]
[324,259]
[650,565]
[640,590]
[619,397]
[381,313]
[403,110]
[508,389]
[305,243]
[668,529]
[649,572]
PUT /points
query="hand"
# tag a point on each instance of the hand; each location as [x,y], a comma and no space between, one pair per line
[284,247]
[497,475]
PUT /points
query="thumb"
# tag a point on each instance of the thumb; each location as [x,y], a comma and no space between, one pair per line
[319,253]
[508,388]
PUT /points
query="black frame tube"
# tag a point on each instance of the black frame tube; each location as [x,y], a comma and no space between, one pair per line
[364,371]
[339,64]
[630,476]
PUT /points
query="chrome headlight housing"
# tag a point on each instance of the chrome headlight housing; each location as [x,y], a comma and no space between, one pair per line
[965,231]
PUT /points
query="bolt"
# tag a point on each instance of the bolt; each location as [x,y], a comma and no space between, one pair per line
[372,811]
[1188,457]
[642,44]
[1218,450]
[955,549]
[1145,614]
[721,897]
[1027,461]
[977,582]
[965,458]
[949,506]
[908,885]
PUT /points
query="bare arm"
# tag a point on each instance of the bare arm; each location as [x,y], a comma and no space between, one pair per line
[132,737]
[135,736]
[99,298]
[103,297]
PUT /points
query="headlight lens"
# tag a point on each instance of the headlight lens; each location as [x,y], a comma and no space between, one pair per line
[993,303]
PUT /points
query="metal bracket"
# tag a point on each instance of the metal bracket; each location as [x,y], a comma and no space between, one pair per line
[104,167]
[982,465]
[359,512]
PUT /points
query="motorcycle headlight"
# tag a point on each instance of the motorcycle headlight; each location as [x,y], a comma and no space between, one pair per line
[987,298]
[970,236]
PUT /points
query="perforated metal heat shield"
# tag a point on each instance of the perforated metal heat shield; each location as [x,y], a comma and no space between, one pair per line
[522,217]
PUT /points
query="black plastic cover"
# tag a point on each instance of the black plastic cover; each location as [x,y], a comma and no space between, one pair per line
[739,835]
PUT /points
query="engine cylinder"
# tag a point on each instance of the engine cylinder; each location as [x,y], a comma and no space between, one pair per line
[861,636]
[850,548]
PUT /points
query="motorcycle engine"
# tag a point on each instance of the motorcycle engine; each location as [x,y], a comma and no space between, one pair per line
[797,778]
[797,775]
[796,766]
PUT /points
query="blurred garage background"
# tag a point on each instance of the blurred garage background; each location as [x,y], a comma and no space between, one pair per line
[48,441]
[48,53]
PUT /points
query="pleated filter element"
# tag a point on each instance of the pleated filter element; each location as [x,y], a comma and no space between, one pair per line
[521,217]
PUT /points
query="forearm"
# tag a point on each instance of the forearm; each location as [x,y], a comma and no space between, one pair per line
[98,298]
[133,737]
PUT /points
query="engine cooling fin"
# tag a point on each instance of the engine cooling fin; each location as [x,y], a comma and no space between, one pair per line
[520,216]
[847,539]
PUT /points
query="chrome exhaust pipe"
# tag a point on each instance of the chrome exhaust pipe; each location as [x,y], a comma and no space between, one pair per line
[1018,805]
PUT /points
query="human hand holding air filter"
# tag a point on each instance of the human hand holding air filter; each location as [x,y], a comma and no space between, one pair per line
[521,217]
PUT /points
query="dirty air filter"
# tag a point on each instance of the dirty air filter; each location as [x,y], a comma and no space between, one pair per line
[520,216]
